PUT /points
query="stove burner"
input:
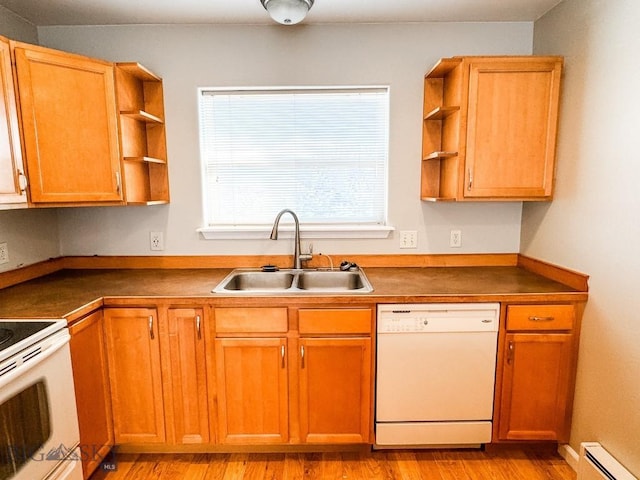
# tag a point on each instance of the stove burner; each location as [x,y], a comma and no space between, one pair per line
[5,335]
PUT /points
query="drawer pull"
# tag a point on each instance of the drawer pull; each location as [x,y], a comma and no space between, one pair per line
[541,319]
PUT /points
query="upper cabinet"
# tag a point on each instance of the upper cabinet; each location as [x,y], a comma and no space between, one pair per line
[69,126]
[90,132]
[489,129]
[144,150]
[13,182]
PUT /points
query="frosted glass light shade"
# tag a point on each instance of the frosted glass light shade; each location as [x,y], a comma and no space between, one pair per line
[287,12]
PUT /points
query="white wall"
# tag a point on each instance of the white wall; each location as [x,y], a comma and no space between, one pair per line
[188,57]
[31,236]
[593,225]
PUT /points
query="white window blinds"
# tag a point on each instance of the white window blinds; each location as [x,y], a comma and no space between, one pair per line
[320,152]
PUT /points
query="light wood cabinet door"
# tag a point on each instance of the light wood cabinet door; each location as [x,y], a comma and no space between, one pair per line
[187,362]
[511,128]
[133,350]
[12,175]
[490,127]
[535,387]
[70,126]
[335,390]
[252,390]
[91,381]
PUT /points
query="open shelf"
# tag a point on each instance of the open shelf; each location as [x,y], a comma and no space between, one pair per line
[437,199]
[145,159]
[443,67]
[439,113]
[139,71]
[142,116]
[440,131]
[143,137]
[440,155]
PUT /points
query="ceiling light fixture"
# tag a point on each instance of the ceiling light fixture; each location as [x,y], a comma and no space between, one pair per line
[287,12]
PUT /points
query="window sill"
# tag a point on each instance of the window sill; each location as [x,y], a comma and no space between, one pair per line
[260,232]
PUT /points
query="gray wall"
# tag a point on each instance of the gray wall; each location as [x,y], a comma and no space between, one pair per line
[593,225]
[32,236]
[188,57]
[16,28]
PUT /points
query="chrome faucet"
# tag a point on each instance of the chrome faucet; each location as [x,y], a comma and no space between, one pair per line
[298,257]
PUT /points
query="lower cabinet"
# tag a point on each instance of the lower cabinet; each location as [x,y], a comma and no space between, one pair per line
[157,365]
[91,382]
[187,364]
[133,348]
[252,371]
[253,398]
[538,372]
[290,375]
[278,385]
[335,382]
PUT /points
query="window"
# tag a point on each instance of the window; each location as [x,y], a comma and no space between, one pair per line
[321,152]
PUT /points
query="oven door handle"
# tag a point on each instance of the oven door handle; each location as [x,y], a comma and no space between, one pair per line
[48,347]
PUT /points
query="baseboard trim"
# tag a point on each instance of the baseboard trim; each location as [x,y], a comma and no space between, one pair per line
[569,455]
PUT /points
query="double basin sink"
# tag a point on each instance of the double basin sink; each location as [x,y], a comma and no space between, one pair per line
[252,281]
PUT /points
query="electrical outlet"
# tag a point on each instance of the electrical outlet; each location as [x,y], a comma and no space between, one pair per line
[408,239]
[4,253]
[156,241]
[455,241]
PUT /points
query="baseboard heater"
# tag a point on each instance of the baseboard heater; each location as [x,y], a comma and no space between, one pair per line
[595,463]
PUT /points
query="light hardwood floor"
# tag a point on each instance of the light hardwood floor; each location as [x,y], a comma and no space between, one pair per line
[512,464]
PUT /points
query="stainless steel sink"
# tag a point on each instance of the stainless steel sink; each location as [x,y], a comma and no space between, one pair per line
[331,280]
[251,281]
[258,281]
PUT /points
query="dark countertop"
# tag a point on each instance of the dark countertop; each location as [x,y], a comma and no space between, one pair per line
[68,293]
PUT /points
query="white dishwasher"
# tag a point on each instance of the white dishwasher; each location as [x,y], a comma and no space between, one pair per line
[435,374]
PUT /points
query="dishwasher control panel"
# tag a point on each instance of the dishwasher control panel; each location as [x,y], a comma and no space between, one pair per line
[399,324]
[438,317]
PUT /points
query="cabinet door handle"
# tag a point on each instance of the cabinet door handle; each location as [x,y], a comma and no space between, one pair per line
[470,184]
[541,319]
[510,350]
[118,183]
[22,181]
[282,354]
[198,327]
[151,335]
[302,355]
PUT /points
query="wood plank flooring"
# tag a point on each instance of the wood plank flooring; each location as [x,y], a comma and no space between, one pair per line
[511,464]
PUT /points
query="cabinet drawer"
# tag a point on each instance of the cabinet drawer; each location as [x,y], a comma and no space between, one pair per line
[257,320]
[540,317]
[343,320]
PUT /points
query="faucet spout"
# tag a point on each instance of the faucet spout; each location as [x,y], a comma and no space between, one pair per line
[297,257]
